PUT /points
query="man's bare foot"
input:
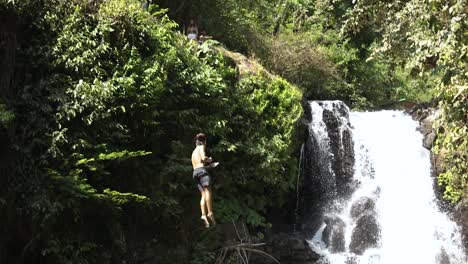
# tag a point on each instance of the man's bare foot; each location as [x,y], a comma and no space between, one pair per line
[205,220]
[211,217]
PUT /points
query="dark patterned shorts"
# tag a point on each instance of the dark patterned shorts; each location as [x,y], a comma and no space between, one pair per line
[202,177]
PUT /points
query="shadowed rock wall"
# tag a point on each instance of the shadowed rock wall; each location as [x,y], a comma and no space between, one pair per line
[328,164]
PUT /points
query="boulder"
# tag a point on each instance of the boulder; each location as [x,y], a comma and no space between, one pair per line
[442,257]
[361,206]
[333,234]
[352,260]
[428,140]
[426,118]
[366,234]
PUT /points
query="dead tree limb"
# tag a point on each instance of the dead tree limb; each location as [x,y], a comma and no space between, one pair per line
[243,249]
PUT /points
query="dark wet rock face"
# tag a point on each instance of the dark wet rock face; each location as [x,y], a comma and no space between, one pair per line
[365,234]
[341,148]
[333,234]
[328,164]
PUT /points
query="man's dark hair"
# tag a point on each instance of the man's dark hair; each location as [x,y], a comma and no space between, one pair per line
[200,139]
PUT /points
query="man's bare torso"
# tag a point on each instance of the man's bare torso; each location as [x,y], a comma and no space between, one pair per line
[198,156]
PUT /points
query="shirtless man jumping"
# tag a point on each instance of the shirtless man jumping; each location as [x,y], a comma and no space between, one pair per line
[200,162]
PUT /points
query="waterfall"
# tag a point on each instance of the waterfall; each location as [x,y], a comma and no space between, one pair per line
[391,216]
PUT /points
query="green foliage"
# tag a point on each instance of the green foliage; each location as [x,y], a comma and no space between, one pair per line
[103,137]
[430,39]
[204,249]
[5,116]
[303,42]
[120,199]
[99,129]
[452,141]
[299,59]
[258,145]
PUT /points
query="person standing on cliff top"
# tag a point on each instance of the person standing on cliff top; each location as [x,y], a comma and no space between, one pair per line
[192,30]
[200,163]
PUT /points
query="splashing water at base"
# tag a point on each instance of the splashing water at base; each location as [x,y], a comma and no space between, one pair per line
[393,167]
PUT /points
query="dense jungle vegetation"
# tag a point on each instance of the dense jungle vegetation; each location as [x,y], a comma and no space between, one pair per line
[100,100]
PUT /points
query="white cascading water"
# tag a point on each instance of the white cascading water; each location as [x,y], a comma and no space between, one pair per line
[394,169]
